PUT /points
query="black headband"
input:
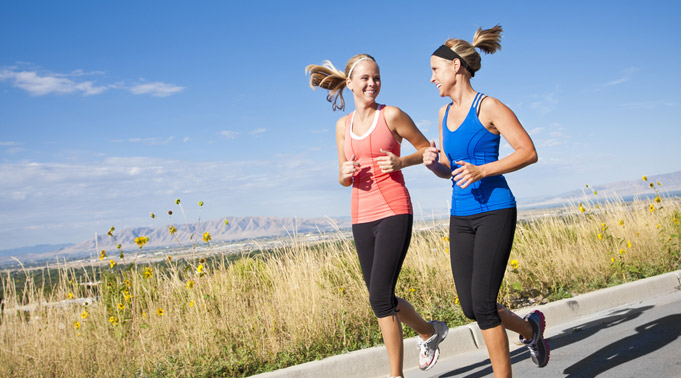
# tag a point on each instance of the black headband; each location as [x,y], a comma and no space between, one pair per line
[449,54]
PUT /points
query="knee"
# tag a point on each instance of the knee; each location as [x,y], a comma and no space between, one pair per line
[383,304]
[486,314]
[467,309]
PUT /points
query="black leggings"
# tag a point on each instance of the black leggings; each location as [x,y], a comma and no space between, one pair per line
[384,242]
[480,245]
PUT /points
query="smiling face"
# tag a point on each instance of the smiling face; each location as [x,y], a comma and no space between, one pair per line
[365,81]
[444,74]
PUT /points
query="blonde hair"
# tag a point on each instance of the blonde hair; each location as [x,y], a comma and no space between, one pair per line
[328,77]
[488,41]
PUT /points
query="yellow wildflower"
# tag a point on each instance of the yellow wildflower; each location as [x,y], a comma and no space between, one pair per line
[658,184]
[658,226]
[621,222]
[121,306]
[621,252]
[658,199]
[102,255]
[200,203]
[141,241]
[226,222]
[83,314]
[144,314]
[412,290]
[112,263]
[113,320]
[612,259]
[76,325]
[645,178]
[190,284]
[206,237]
[652,208]
[69,296]
[600,236]
[341,290]
[153,215]
[172,229]
[595,192]
[127,283]
[177,201]
[159,312]
[118,246]
[628,244]
[514,264]
[147,272]
[581,209]
[199,268]
[456,300]
[191,303]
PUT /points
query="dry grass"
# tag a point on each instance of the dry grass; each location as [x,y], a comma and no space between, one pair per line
[304,301]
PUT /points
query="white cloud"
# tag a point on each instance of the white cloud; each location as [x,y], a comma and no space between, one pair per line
[37,85]
[122,191]
[156,89]
[9,144]
[229,134]
[40,83]
[545,104]
[258,131]
[152,141]
[626,76]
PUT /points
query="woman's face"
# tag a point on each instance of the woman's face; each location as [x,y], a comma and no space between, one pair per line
[365,81]
[444,75]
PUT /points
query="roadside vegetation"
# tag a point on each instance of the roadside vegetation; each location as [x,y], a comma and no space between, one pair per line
[253,313]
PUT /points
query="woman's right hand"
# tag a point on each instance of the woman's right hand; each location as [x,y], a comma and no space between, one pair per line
[431,157]
[349,168]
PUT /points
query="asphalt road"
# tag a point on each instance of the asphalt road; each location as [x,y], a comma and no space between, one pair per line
[636,340]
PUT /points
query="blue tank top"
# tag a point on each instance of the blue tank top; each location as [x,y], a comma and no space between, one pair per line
[474,144]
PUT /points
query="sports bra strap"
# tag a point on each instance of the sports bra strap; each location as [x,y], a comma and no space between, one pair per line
[479,97]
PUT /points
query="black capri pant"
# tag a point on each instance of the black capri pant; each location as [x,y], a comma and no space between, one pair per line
[479,247]
[381,247]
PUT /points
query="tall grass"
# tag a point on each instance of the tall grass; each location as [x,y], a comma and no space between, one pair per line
[304,301]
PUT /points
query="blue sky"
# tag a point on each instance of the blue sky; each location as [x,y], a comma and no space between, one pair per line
[109,111]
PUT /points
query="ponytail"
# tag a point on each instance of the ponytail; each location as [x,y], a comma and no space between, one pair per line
[328,77]
[487,41]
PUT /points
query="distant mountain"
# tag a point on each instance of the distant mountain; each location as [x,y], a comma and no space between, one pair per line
[238,228]
[36,249]
[671,183]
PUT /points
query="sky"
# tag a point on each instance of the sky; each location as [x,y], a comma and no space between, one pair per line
[112,110]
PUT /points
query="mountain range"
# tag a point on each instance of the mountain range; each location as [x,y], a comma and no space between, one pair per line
[254,227]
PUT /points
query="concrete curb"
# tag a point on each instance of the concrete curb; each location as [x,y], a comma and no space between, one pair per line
[373,362]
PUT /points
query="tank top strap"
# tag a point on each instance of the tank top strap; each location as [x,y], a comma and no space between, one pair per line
[476,100]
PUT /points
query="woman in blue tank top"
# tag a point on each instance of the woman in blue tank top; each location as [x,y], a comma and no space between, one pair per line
[483,213]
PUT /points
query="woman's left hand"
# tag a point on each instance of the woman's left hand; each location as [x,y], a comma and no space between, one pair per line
[389,163]
[466,174]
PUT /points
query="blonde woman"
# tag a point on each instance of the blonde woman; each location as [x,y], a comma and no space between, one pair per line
[483,213]
[369,160]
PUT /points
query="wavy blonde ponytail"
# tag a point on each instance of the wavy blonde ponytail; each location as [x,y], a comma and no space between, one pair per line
[488,41]
[328,77]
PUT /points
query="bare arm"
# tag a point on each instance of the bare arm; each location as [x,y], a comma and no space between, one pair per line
[402,127]
[346,169]
[433,159]
[501,119]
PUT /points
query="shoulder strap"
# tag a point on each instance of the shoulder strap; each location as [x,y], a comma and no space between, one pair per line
[479,98]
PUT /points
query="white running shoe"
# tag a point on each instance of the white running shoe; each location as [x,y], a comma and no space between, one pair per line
[430,350]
